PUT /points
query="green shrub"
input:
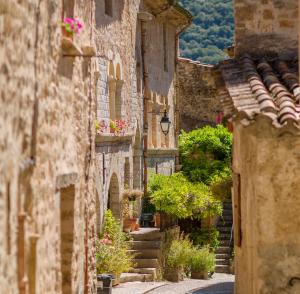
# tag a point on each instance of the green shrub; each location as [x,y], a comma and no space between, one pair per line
[205,237]
[179,253]
[203,260]
[176,195]
[112,249]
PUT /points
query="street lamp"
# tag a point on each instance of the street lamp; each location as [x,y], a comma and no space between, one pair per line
[165,124]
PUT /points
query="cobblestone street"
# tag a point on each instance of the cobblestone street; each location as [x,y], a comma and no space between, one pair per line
[219,284]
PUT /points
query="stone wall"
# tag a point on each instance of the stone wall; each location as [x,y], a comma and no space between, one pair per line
[118,156]
[267,162]
[199,103]
[46,150]
[262,27]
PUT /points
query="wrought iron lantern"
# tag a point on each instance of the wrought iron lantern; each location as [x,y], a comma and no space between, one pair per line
[165,124]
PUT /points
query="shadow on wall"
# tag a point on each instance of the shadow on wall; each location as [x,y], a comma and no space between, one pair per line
[108,11]
[221,288]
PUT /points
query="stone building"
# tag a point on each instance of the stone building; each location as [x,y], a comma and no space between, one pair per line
[118,152]
[47,190]
[137,42]
[261,95]
[159,42]
[197,95]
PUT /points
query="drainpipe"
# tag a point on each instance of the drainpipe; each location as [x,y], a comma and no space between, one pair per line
[144,17]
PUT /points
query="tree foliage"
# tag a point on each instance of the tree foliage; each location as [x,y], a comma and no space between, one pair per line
[206,154]
[176,195]
[211,32]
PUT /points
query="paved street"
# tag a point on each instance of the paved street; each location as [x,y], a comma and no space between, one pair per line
[219,284]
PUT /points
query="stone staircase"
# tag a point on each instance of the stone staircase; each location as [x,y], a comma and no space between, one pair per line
[146,246]
[224,226]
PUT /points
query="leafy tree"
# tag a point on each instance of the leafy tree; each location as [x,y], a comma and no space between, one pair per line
[206,157]
[176,195]
[211,32]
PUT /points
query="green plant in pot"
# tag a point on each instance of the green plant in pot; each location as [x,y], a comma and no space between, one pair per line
[202,263]
[178,259]
[130,210]
[112,253]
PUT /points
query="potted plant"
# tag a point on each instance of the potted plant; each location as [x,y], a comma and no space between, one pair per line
[178,258]
[202,263]
[71,26]
[126,216]
[112,250]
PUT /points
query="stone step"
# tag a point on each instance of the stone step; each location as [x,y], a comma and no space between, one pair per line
[226,224]
[222,261]
[224,236]
[227,205]
[224,242]
[137,245]
[224,229]
[151,271]
[222,255]
[135,277]
[146,263]
[227,217]
[223,249]
[146,253]
[222,269]
[147,235]
[226,212]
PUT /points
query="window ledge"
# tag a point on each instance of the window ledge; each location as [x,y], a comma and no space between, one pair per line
[105,137]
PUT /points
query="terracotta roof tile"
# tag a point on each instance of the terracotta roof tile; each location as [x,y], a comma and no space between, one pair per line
[263,87]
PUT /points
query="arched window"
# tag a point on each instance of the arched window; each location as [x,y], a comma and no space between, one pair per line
[112,91]
[118,96]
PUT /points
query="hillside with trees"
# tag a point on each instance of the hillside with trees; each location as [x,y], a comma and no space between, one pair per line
[211,31]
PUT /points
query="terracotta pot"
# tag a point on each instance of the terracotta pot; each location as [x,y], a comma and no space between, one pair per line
[132,224]
[127,225]
[66,34]
[199,275]
[157,220]
[173,274]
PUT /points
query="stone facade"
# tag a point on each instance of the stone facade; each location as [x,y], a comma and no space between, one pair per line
[197,93]
[75,115]
[265,146]
[118,156]
[262,27]
[47,190]
[161,53]
[266,168]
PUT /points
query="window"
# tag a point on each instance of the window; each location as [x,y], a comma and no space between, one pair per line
[108,7]
[165,47]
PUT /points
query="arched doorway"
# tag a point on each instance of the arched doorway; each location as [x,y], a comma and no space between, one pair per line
[113,201]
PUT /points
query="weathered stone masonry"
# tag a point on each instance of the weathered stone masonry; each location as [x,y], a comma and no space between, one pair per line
[46,150]
[197,93]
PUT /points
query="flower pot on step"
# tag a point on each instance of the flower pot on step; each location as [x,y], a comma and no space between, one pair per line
[173,274]
[127,225]
[157,219]
[199,275]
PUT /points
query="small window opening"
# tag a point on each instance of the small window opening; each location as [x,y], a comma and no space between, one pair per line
[108,7]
